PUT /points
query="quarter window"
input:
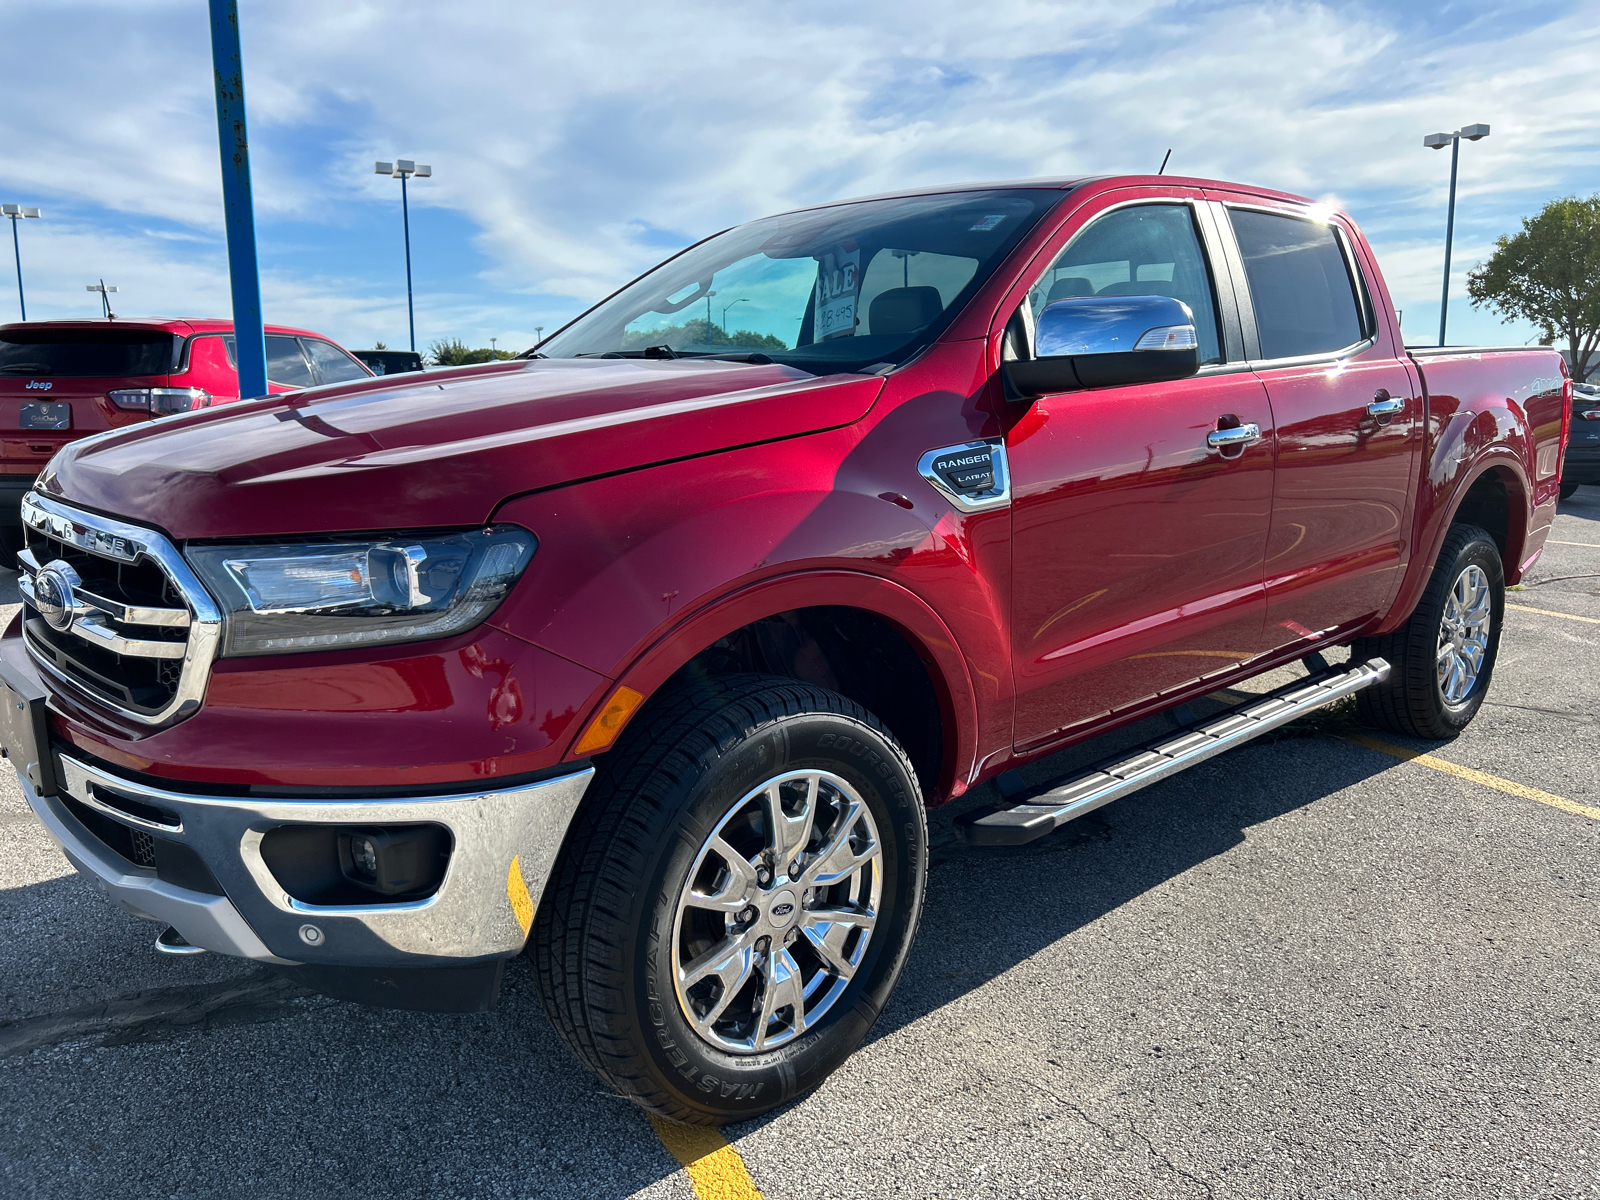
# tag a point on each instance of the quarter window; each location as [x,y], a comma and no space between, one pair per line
[333,364]
[1147,250]
[285,363]
[1300,284]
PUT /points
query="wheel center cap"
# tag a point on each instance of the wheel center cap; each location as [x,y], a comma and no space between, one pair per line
[783,910]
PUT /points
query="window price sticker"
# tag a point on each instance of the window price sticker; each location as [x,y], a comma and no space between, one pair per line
[838,288]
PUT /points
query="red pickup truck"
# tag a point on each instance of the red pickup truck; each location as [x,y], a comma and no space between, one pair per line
[63,380]
[645,653]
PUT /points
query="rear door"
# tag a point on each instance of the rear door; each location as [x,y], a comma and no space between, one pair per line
[1137,550]
[1347,411]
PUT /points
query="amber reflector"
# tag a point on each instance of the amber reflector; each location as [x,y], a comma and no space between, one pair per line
[604,728]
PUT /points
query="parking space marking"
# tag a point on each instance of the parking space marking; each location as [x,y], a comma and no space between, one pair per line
[1590,545]
[1479,777]
[1545,612]
[714,1167]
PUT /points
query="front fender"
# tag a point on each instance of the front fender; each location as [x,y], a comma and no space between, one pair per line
[637,573]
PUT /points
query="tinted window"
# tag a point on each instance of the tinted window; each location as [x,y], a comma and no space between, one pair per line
[1304,299]
[333,364]
[285,363]
[1151,250]
[80,352]
[825,289]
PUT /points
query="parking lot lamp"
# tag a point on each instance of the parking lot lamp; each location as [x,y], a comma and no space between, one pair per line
[726,307]
[105,295]
[1438,141]
[403,169]
[16,212]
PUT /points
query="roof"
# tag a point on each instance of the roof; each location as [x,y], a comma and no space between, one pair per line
[182,326]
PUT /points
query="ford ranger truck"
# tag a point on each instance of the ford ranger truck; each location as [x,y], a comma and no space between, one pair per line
[63,380]
[644,654]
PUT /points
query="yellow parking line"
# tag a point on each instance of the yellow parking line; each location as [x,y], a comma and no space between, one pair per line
[715,1169]
[1590,545]
[1479,777]
[1545,612]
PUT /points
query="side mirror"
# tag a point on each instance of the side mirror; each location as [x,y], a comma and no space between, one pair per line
[1097,341]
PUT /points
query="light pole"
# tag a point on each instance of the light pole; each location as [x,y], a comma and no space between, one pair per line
[1438,141]
[538,334]
[708,316]
[494,353]
[16,212]
[105,295]
[403,169]
[726,307]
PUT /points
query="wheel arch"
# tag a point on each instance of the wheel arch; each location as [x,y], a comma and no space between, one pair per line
[891,622]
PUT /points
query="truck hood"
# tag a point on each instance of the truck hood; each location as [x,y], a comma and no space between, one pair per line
[439,449]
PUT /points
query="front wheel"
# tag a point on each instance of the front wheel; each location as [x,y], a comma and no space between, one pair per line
[736,900]
[1441,660]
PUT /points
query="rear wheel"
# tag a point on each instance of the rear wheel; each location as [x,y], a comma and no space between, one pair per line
[736,900]
[1441,660]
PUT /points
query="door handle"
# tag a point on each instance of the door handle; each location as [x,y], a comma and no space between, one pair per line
[1383,405]
[1238,437]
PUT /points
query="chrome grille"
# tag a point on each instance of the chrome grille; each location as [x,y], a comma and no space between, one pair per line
[136,631]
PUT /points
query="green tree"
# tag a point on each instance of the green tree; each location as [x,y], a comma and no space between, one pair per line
[1549,275]
[453,352]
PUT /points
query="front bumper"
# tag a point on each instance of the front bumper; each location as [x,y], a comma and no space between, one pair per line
[505,845]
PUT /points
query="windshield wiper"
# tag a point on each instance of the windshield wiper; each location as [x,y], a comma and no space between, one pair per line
[662,351]
[34,368]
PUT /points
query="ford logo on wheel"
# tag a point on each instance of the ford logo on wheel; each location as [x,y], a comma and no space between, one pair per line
[52,595]
[782,910]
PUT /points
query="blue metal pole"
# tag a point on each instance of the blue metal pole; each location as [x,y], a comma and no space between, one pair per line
[238,210]
[405,218]
[1449,234]
[16,246]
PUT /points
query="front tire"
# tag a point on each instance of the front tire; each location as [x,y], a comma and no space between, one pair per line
[736,900]
[1442,659]
[1567,490]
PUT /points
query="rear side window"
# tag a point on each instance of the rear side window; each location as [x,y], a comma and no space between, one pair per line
[285,363]
[86,352]
[333,364]
[1304,298]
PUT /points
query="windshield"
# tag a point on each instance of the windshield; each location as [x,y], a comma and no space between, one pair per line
[832,289]
[81,352]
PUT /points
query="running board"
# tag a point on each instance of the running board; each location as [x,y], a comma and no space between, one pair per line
[1026,817]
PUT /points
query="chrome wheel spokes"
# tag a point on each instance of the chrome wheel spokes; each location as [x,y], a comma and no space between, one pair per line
[1464,632]
[776,914]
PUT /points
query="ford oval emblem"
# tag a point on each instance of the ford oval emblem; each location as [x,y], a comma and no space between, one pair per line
[782,910]
[52,595]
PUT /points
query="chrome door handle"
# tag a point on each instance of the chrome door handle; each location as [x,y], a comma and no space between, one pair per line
[1383,405]
[1239,436]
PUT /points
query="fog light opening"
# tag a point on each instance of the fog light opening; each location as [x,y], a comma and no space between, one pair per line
[402,861]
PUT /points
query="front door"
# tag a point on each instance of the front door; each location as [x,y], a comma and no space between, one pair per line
[1138,549]
[1347,412]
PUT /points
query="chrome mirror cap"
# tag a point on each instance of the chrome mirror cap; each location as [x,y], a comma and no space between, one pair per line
[1115,325]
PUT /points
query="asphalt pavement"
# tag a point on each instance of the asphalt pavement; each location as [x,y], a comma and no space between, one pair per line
[1307,968]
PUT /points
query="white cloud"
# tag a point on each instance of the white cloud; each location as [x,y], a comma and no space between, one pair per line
[567,134]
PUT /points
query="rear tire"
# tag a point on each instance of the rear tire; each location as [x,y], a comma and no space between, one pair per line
[1567,489]
[1442,659]
[703,843]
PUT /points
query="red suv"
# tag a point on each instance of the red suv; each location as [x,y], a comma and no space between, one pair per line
[63,380]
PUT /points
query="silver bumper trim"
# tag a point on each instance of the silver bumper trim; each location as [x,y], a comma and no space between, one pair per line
[473,916]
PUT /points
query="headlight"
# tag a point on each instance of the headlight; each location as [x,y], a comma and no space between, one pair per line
[329,595]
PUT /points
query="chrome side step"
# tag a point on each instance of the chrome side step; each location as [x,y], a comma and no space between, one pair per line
[1023,818]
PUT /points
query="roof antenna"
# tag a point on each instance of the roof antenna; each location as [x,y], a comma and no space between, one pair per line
[1164,158]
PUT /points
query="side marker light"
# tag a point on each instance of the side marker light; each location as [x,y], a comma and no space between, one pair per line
[603,730]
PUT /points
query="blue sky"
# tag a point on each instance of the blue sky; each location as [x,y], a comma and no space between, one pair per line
[575,145]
